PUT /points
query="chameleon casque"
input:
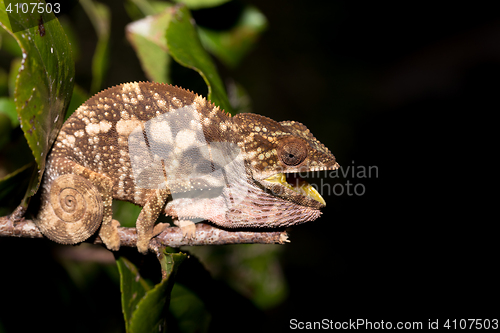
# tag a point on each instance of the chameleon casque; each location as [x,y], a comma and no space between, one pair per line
[173,152]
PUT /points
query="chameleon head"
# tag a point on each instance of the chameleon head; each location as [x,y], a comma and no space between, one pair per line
[275,153]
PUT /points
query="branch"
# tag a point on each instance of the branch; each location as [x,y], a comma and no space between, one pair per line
[16,226]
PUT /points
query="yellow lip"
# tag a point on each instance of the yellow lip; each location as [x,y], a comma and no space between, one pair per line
[301,187]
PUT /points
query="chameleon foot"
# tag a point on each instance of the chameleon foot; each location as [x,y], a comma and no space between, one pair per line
[109,235]
[188,228]
[159,228]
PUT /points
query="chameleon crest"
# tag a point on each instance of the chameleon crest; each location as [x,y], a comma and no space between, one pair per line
[173,152]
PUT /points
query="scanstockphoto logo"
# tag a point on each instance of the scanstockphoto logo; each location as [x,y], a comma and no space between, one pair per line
[348,180]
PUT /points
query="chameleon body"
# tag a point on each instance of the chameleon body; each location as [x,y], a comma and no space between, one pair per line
[173,152]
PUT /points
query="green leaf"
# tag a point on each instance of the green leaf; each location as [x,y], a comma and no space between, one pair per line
[79,97]
[100,17]
[239,97]
[253,270]
[15,65]
[44,83]
[189,311]
[232,45]
[145,306]
[14,154]
[137,9]
[147,36]
[8,107]
[126,212]
[73,38]
[5,127]
[185,47]
[198,4]
[132,286]
[4,79]
[12,185]
[9,43]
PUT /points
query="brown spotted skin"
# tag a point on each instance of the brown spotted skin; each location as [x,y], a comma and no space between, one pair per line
[93,147]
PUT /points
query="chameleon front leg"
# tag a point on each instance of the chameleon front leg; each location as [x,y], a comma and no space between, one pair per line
[146,228]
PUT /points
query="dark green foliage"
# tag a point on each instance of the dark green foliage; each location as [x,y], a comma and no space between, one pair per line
[145,305]
[44,82]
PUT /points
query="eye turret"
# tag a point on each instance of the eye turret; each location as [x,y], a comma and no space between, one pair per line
[292,151]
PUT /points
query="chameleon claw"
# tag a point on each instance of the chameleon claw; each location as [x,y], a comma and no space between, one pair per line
[159,228]
[188,228]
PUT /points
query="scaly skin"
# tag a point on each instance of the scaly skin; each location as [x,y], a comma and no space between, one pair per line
[173,152]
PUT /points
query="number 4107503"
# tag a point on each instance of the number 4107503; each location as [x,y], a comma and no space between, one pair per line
[471,324]
[34,7]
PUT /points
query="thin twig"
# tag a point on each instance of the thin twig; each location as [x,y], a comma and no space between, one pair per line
[13,226]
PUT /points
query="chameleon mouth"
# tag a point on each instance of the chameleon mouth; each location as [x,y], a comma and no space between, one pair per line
[298,185]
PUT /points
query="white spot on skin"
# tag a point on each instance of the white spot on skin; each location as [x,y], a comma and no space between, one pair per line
[104,126]
[160,131]
[161,103]
[92,129]
[71,139]
[79,133]
[125,127]
[186,138]
[131,87]
[175,164]
[125,98]
[137,195]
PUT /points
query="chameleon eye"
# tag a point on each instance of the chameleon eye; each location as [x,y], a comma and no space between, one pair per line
[292,151]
